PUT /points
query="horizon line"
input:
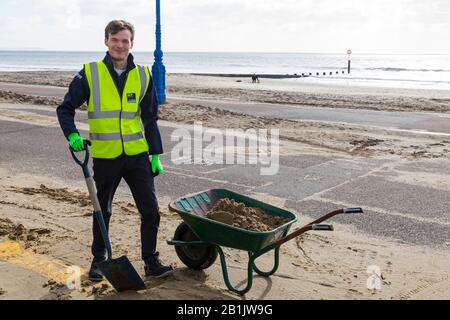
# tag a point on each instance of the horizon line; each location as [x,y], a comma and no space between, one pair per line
[232,52]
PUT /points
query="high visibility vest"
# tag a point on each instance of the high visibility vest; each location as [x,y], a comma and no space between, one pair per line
[114,121]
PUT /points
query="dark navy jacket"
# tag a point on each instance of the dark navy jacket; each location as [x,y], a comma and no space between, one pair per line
[79,93]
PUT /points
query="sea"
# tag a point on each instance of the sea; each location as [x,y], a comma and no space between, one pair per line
[425,71]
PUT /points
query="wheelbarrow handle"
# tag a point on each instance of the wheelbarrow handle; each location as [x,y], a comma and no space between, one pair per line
[315,225]
[322,227]
[352,210]
[336,212]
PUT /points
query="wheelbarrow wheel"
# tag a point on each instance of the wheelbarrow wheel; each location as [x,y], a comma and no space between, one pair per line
[195,257]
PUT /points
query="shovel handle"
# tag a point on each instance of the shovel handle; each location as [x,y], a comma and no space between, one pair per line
[83,163]
[93,196]
[105,236]
[98,212]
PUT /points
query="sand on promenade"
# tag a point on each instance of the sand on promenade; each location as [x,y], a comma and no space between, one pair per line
[45,226]
[282,91]
[349,139]
[44,231]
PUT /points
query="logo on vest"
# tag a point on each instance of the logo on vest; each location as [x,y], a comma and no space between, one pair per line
[131,97]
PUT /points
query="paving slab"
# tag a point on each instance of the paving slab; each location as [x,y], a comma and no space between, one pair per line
[377,192]
[174,185]
[20,283]
[296,184]
[379,224]
[304,161]
[436,166]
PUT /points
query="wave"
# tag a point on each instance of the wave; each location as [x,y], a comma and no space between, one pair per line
[390,69]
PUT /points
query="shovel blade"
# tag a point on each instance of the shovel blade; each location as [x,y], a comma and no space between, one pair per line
[121,274]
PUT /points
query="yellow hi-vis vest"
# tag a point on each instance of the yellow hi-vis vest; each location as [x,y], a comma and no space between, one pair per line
[114,121]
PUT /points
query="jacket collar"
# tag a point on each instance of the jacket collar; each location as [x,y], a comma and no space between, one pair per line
[108,61]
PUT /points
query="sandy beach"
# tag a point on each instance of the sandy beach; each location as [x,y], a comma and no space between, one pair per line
[281,91]
[45,223]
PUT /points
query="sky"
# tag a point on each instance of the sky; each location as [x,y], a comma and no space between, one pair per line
[326,26]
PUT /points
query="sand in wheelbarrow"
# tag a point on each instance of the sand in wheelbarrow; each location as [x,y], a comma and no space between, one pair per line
[237,214]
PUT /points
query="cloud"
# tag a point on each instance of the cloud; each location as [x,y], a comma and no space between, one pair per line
[73,13]
[234,25]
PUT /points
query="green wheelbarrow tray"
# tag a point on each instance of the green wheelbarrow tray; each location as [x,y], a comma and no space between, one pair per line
[199,239]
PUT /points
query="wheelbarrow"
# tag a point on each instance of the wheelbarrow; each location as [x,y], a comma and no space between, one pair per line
[198,239]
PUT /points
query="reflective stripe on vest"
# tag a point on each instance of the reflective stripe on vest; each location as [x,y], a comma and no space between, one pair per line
[114,122]
[115,136]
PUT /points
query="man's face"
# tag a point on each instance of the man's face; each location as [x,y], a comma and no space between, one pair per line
[119,45]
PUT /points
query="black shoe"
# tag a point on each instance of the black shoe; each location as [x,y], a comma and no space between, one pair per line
[154,268]
[95,273]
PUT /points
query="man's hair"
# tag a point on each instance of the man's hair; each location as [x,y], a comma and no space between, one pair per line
[116,26]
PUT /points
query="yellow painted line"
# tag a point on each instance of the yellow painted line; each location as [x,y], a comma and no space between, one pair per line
[57,270]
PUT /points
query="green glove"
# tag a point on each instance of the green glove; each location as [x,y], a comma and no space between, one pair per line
[157,167]
[76,142]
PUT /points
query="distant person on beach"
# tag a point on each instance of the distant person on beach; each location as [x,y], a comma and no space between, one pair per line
[255,78]
[119,95]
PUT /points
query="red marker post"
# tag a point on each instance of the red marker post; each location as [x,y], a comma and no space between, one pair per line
[349,52]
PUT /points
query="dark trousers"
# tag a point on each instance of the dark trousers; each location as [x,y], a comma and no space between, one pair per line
[136,171]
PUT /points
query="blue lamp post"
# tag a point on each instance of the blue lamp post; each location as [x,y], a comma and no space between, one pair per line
[158,69]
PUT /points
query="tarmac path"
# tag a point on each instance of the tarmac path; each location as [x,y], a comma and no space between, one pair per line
[404,121]
[400,198]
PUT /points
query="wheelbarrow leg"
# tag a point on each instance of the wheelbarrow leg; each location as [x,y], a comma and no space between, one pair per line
[275,267]
[227,279]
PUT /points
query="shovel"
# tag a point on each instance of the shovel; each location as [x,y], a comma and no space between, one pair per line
[119,272]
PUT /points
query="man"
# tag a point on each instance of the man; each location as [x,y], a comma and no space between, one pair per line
[119,94]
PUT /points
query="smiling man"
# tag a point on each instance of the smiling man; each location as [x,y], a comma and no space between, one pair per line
[119,94]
